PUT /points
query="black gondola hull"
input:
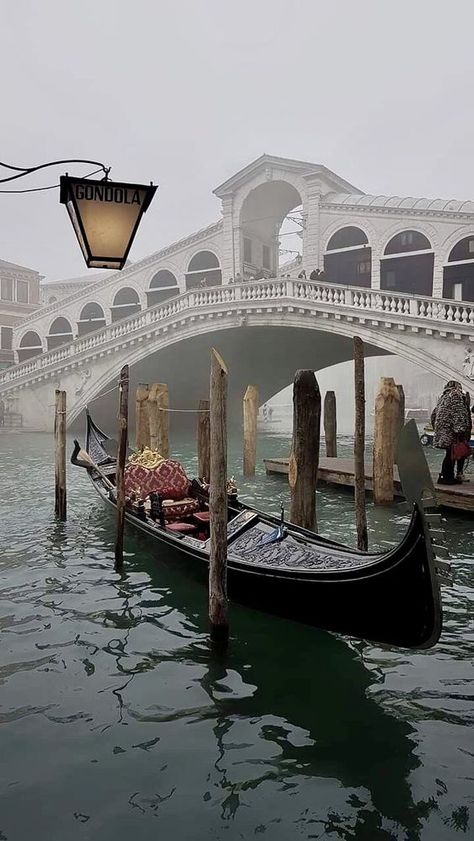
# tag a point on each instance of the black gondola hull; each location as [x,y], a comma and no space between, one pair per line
[394,603]
[390,598]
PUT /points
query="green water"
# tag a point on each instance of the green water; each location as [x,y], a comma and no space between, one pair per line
[117,722]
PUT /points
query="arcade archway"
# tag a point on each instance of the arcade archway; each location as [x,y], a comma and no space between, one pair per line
[262,215]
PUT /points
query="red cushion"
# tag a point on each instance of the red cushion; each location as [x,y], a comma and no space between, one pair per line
[202,516]
[179,510]
[184,528]
[168,479]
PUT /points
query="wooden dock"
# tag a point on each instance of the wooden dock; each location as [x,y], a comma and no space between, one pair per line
[340,471]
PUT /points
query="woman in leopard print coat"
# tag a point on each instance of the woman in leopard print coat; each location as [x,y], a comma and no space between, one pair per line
[449,422]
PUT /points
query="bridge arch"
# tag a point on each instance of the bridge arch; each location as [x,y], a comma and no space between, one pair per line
[59,333]
[263,346]
[204,266]
[261,214]
[407,263]
[348,257]
[92,318]
[126,302]
[30,345]
[458,271]
[163,285]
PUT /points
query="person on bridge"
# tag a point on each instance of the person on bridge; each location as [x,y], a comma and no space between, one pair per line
[314,274]
[448,420]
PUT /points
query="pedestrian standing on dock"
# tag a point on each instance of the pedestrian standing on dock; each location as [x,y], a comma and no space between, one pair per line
[2,413]
[460,462]
[448,420]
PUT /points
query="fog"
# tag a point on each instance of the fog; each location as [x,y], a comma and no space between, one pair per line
[185,93]
[421,388]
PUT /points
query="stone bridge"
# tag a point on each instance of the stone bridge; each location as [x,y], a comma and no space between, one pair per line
[265,330]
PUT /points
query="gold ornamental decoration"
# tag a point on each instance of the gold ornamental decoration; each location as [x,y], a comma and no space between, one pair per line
[147,458]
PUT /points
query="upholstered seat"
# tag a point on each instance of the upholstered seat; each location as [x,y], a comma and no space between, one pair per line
[179,509]
[181,528]
[201,517]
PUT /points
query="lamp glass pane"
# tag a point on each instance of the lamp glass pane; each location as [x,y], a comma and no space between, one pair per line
[108,225]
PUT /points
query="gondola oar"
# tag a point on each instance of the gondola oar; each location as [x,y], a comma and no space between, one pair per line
[82,458]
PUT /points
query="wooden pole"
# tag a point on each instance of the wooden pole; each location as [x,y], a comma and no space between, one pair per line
[401,416]
[330,424]
[203,441]
[120,468]
[359,445]
[387,409]
[142,430]
[60,502]
[158,416]
[304,458]
[218,618]
[250,409]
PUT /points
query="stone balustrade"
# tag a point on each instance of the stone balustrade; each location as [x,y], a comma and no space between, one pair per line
[430,311]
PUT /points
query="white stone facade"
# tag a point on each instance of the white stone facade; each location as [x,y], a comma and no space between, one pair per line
[254,203]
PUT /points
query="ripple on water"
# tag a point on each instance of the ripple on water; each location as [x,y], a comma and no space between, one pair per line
[118,720]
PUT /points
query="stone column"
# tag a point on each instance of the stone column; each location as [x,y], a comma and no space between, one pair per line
[228,269]
[375,267]
[438,272]
[312,258]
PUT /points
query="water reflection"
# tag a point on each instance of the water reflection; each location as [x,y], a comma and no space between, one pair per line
[305,693]
[118,720]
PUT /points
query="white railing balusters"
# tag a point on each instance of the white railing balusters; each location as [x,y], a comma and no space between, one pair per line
[326,294]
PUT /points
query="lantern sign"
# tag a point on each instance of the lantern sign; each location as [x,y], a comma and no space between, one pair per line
[105,216]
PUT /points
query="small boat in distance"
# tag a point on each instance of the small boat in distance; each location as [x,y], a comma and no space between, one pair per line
[390,597]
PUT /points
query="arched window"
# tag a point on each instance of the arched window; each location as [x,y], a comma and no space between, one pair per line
[407,241]
[126,303]
[407,264]
[348,258]
[92,318]
[30,345]
[60,333]
[458,275]
[163,285]
[348,237]
[203,270]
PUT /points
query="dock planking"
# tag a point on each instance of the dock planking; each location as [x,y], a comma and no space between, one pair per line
[340,471]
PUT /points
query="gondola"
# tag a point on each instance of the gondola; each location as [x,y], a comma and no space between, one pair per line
[274,566]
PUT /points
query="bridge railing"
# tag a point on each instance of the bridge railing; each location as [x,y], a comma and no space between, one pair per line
[448,312]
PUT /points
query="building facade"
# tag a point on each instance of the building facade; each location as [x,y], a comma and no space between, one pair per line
[19,296]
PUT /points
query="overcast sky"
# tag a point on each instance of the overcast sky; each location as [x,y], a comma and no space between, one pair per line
[185,93]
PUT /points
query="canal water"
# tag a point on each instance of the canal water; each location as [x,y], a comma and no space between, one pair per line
[118,722]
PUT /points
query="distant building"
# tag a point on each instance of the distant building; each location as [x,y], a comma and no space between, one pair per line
[19,296]
[56,290]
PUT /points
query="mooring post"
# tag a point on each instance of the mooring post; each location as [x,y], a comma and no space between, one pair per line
[304,458]
[218,617]
[359,445]
[401,411]
[120,467]
[330,424]
[387,413]
[203,441]
[60,502]
[158,416]
[250,410]
[142,425]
